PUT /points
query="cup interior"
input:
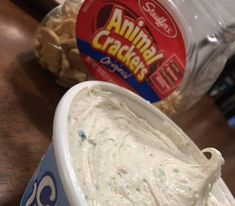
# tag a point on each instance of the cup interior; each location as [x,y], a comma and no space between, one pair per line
[141,108]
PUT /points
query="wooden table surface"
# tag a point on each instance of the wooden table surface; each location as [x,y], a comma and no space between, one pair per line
[28,98]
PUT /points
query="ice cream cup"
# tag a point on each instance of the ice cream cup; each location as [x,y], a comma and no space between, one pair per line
[55,182]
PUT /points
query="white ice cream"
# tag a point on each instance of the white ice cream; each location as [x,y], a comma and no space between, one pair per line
[121,160]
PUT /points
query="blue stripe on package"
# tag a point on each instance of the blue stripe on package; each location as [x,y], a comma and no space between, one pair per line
[143,89]
[45,188]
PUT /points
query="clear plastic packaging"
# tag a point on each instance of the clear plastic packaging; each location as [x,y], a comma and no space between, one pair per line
[56,47]
[209,36]
[208,30]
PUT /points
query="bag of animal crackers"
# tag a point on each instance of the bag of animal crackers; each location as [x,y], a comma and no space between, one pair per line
[169,52]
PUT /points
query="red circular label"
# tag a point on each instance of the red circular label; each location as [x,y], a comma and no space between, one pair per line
[136,44]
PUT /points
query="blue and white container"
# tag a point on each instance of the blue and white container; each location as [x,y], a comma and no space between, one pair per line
[55,183]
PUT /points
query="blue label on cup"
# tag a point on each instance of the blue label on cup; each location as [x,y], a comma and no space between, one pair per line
[45,188]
